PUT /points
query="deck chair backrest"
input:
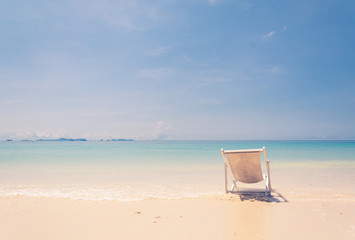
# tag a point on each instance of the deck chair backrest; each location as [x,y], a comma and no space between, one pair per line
[245,166]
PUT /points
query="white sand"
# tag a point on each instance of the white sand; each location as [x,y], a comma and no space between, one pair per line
[218,217]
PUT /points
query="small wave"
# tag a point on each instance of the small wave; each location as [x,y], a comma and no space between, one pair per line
[126,193]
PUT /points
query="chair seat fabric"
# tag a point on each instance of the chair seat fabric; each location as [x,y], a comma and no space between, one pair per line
[246,167]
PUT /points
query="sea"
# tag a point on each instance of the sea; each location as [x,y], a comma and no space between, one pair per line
[139,170]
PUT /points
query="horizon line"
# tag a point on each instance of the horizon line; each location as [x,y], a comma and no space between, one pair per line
[128,140]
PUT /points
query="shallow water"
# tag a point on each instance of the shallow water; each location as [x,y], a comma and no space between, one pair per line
[167,169]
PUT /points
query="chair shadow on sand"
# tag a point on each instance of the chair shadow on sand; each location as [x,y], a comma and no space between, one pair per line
[274,196]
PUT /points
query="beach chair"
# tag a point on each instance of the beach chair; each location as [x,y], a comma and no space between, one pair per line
[244,166]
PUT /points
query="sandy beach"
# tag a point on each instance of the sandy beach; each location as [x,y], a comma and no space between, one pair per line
[64,197]
[214,217]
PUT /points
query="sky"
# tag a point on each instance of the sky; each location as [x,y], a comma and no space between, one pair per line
[176,69]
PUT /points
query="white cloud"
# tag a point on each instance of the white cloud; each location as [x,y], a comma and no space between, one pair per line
[155,73]
[269,35]
[158,51]
[161,126]
[156,131]
[127,15]
[212,1]
[275,70]
[285,27]
[160,131]
[33,134]
[12,101]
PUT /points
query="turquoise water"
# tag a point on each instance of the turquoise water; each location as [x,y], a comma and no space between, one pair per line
[159,169]
[169,151]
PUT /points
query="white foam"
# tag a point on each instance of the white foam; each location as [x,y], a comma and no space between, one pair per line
[120,193]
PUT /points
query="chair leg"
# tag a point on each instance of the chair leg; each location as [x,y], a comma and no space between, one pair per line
[234,185]
[267,190]
[225,178]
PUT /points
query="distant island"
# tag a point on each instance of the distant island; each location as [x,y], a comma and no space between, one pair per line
[120,140]
[71,140]
[63,140]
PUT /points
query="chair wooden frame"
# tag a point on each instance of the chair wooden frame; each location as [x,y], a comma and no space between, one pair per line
[227,169]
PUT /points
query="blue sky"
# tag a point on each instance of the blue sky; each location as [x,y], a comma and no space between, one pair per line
[194,69]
